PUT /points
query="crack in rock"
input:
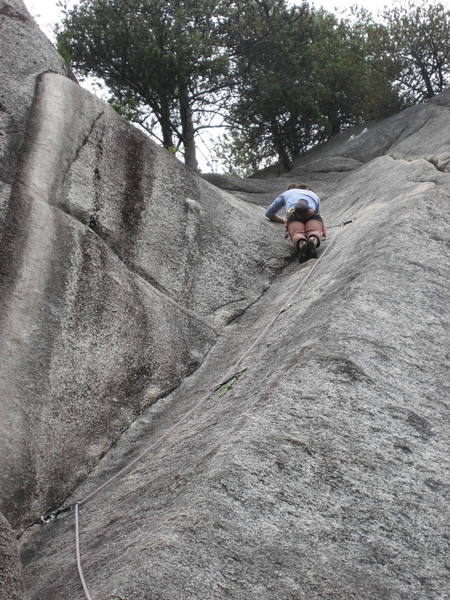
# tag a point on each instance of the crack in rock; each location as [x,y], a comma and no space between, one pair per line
[81,146]
[430,161]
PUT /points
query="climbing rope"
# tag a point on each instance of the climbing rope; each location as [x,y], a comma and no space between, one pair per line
[236,365]
[232,375]
[77,549]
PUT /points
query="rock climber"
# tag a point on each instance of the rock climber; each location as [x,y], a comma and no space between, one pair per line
[303,221]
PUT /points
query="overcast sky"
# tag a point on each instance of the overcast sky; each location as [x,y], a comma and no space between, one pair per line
[47,13]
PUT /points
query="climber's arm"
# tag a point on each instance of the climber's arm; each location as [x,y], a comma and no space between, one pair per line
[271,211]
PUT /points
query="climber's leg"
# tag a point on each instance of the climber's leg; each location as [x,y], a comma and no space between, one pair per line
[296,230]
[314,229]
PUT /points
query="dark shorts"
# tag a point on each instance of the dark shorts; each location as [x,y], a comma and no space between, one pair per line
[295,215]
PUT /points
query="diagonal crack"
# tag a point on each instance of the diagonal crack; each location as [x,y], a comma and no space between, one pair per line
[164,394]
[81,146]
[414,131]
[396,139]
[430,161]
[435,164]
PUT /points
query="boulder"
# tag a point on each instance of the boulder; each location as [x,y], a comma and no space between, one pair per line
[420,131]
[331,164]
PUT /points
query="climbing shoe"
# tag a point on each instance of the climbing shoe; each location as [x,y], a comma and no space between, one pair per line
[302,253]
[311,250]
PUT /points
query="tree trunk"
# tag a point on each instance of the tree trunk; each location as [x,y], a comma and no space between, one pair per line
[426,80]
[280,146]
[335,125]
[166,125]
[187,129]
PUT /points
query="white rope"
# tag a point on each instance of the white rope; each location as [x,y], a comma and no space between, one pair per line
[236,365]
[231,372]
[77,547]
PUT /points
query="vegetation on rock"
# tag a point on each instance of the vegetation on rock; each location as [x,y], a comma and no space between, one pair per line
[281,78]
[161,56]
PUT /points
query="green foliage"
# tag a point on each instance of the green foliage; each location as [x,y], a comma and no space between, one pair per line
[267,41]
[349,89]
[238,157]
[129,109]
[63,46]
[411,48]
[229,384]
[301,78]
[164,54]
[284,77]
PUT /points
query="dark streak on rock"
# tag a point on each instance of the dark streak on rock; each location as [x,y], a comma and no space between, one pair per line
[394,141]
[114,247]
[10,568]
[94,258]
[93,221]
[15,229]
[134,202]
[435,164]
[420,424]
[301,444]
[78,151]
[401,445]
[41,348]
[8,11]
[346,367]
[438,486]
[88,309]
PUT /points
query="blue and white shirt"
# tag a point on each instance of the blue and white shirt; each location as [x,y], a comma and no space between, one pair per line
[290,198]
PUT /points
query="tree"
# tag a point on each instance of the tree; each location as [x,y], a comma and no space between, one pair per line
[411,48]
[301,78]
[348,90]
[267,42]
[159,56]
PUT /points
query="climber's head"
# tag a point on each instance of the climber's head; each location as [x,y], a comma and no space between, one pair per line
[298,186]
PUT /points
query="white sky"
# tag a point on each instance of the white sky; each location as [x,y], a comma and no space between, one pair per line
[47,13]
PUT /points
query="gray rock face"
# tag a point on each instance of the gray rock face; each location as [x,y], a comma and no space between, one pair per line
[131,288]
[25,52]
[321,473]
[119,267]
[417,132]
[10,566]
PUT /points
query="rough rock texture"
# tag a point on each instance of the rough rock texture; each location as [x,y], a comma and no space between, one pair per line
[322,473]
[10,564]
[118,269]
[25,52]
